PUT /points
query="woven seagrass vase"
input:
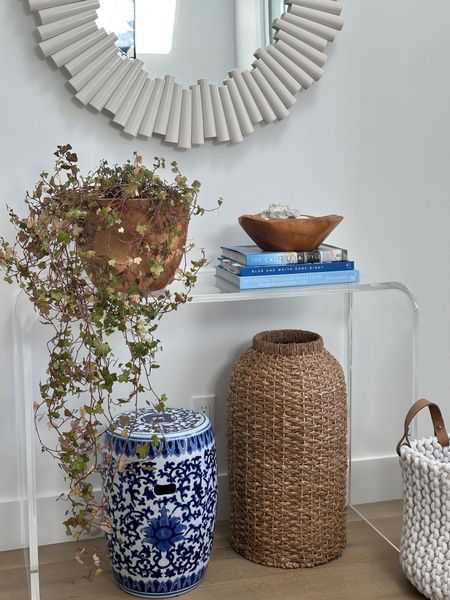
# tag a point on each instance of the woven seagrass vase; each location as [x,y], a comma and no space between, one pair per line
[287,451]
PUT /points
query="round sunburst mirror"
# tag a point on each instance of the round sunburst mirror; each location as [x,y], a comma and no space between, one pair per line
[117,53]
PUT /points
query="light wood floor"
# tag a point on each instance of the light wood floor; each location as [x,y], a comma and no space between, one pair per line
[368,570]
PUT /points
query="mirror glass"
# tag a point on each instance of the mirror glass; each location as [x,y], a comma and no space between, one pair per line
[191,39]
[117,16]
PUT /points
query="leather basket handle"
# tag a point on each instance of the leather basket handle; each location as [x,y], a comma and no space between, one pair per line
[436,416]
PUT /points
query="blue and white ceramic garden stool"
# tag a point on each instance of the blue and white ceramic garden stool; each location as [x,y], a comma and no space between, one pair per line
[163,508]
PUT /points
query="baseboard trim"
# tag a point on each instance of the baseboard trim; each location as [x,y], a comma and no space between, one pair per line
[376,479]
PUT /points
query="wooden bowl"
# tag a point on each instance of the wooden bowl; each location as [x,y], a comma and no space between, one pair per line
[289,235]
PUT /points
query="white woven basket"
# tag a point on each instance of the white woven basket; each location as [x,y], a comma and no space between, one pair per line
[425,544]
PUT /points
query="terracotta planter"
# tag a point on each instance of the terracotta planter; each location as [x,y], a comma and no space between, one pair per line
[289,235]
[132,252]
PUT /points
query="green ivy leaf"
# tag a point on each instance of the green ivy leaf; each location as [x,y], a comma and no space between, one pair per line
[63,237]
[142,450]
[124,377]
[157,268]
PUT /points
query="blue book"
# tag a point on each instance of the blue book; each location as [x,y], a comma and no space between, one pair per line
[288,280]
[242,271]
[253,256]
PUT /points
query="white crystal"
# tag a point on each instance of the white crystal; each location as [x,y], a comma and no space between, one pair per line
[277,212]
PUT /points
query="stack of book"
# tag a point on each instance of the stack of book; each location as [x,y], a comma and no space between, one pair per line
[249,267]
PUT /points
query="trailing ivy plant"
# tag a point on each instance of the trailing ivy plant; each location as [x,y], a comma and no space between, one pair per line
[86,383]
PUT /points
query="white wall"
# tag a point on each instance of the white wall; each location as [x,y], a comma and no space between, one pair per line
[370,141]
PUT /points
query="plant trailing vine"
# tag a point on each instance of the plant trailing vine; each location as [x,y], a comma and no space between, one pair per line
[88,296]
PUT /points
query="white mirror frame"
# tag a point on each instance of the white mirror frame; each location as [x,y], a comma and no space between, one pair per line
[106,80]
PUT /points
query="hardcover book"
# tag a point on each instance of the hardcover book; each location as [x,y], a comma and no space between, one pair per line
[243,271]
[254,256]
[289,279]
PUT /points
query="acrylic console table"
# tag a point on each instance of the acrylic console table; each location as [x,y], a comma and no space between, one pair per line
[206,291]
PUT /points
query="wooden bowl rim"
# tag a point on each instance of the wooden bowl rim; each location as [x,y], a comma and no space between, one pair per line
[259,218]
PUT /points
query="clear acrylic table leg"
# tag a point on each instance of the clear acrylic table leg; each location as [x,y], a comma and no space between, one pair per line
[24,321]
[369,516]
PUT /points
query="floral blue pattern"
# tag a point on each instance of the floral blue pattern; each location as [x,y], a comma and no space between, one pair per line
[173,422]
[161,543]
[165,448]
[164,532]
